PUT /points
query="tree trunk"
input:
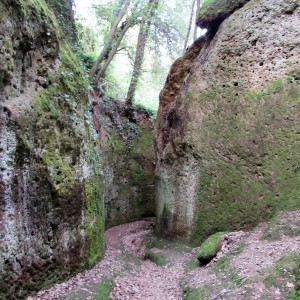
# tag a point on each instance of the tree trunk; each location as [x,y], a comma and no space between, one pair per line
[197,15]
[189,28]
[140,49]
[110,39]
[113,51]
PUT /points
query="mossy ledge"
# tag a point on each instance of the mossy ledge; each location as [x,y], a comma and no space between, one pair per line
[210,248]
[213,12]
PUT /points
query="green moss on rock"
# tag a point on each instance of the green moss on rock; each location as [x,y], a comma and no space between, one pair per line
[210,248]
[94,221]
[130,167]
[144,144]
[256,173]
[56,177]
[284,271]
[216,10]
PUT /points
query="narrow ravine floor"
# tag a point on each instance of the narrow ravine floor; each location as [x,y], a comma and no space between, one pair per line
[251,265]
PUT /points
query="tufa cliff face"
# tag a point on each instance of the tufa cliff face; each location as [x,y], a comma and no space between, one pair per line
[227,136]
[51,187]
[66,165]
[128,160]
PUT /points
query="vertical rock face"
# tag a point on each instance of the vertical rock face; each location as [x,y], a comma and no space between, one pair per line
[228,141]
[51,190]
[128,161]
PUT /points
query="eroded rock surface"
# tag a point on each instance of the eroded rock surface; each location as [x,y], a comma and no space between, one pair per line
[51,208]
[126,138]
[228,145]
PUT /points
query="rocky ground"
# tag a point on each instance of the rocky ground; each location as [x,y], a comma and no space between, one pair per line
[259,264]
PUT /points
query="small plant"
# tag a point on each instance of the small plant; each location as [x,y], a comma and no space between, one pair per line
[286,270]
[192,265]
[158,258]
[275,229]
[130,261]
[88,60]
[222,264]
[296,272]
[104,289]
[196,294]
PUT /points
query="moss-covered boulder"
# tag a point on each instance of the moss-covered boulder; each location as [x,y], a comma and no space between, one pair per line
[51,186]
[228,146]
[210,248]
[213,12]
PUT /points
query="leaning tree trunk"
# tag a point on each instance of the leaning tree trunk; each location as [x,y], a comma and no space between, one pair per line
[140,50]
[113,52]
[110,39]
[197,15]
[189,28]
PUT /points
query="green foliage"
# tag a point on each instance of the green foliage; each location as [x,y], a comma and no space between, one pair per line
[40,7]
[144,144]
[205,6]
[147,110]
[86,38]
[285,271]
[104,289]
[196,294]
[192,265]
[296,272]
[166,39]
[210,247]
[130,261]
[158,258]
[117,144]
[44,104]
[88,60]
[222,264]
[275,230]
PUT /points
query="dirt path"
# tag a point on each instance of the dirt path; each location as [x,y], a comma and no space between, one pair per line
[254,265]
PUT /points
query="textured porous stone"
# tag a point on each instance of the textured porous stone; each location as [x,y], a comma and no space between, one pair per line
[128,161]
[177,76]
[228,145]
[51,188]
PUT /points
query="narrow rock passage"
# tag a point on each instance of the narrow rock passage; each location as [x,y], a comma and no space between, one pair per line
[134,277]
[251,265]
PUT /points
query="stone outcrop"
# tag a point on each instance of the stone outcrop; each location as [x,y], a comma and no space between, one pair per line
[128,160]
[51,186]
[227,141]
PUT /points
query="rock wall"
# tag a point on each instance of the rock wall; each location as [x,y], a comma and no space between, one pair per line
[227,140]
[51,186]
[128,160]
